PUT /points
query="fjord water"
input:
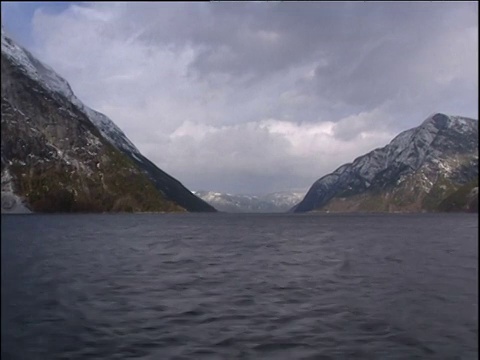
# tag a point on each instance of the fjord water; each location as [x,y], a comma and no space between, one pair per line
[230,286]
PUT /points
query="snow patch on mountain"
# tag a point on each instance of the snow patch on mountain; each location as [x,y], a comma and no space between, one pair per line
[429,150]
[34,68]
[52,82]
[11,203]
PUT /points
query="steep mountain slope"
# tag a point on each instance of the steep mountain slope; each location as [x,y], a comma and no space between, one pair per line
[463,199]
[274,202]
[415,172]
[59,155]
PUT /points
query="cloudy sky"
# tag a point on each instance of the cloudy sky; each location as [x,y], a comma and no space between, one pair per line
[263,96]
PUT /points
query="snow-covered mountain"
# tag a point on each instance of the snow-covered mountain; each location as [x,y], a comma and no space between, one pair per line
[57,154]
[415,172]
[274,202]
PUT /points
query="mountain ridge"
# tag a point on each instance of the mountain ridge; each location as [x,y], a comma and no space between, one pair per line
[49,135]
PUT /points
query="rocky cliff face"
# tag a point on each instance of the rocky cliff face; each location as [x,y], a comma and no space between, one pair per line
[59,155]
[415,172]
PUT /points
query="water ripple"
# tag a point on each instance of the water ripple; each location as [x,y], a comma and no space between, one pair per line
[220,286]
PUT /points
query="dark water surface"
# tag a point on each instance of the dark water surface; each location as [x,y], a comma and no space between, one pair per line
[225,286]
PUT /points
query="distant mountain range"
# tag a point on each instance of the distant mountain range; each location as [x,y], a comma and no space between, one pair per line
[274,202]
[433,167]
[59,155]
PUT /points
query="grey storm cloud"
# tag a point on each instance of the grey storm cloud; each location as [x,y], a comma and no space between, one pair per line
[367,53]
[264,37]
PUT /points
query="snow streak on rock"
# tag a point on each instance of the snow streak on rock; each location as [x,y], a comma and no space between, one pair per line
[52,82]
